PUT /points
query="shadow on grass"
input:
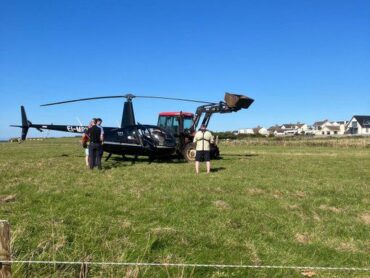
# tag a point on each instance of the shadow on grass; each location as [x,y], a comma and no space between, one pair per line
[217,169]
[232,156]
[119,161]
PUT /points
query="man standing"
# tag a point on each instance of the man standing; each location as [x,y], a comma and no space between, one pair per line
[96,140]
[99,121]
[203,138]
[85,142]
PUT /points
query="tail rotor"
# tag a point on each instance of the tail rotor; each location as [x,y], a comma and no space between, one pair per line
[26,124]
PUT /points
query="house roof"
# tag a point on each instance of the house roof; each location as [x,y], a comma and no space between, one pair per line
[363,121]
[333,127]
[277,129]
[289,125]
[319,123]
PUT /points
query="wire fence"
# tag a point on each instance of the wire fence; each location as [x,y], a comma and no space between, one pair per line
[82,268]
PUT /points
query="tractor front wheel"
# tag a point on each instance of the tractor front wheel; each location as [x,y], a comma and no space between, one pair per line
[189,152]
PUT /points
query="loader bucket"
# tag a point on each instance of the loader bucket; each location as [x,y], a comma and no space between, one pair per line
[238,101]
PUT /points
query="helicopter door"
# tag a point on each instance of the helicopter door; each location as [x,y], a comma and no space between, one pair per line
[146,138]
[131,137]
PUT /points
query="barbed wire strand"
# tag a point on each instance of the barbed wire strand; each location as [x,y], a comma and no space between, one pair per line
[190,265]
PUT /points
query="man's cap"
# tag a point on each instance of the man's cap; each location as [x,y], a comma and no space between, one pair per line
[99,119]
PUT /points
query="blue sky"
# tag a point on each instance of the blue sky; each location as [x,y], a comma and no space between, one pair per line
[300,60]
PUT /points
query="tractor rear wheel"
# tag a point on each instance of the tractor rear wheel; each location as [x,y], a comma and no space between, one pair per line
[189,152]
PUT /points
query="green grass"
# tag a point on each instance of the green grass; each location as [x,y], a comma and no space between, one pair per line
[262,205]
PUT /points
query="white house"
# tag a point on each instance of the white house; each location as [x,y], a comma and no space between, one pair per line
[246,131]
[302,128]
[254,131]
[298,128]
[329,128]
[319,125]
[289,129]
[261,131]
[358,125]
[278,131]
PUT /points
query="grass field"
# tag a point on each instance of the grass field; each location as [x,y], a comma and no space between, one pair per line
[262,205]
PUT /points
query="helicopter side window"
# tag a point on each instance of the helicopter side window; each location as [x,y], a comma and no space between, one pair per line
[131,136]
[146,132]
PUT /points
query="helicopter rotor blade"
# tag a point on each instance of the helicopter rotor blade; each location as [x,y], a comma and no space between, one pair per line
[177,99]
[128,96]
[82,99]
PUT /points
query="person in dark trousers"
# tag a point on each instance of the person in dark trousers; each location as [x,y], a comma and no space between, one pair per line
[99,121]
[96,140]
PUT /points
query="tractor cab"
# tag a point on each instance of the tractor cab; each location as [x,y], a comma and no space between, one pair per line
[176,122]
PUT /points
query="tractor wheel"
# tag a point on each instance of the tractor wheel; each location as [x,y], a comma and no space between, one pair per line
[189,152]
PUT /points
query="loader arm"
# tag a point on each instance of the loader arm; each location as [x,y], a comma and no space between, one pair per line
[232,103]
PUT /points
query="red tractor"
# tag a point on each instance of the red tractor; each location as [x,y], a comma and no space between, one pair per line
[183,125]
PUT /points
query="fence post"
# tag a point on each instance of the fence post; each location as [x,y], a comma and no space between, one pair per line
[5,268]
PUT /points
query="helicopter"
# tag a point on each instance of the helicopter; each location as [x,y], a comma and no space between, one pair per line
[173,134]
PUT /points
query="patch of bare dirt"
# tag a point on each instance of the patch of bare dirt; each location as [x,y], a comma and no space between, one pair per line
[332,209]
[277,194]
[347,247]
[255,191]
[300,194]
[302,238]
[293,207]
[163,230]
[308,273]
[316,217]
[222,205]
[365,217]
[7,198]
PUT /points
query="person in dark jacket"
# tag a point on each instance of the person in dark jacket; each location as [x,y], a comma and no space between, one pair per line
[99,121]
[96,141]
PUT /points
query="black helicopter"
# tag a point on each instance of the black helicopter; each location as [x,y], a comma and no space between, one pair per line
[130,138]
[172,135]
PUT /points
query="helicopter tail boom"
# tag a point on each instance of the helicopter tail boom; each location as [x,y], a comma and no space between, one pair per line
[26,125]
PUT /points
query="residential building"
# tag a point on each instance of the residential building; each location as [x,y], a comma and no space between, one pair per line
[317,126]
[246,131]
[254,131]
[260,131]
[358,125]
[329,128]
